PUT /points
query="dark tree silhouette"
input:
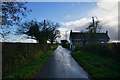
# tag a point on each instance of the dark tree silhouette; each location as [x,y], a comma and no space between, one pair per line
[49,31]
[53,35]
[40,31]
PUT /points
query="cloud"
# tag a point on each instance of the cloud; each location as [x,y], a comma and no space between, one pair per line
[77,25]
[68,17]
[106,12]
[16,39]
[62,29]
[24,40]
[63,32]
[76,22]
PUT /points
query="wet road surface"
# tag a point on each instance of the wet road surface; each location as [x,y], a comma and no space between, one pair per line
[61,65]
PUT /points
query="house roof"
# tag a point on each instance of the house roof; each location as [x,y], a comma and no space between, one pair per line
[79,35]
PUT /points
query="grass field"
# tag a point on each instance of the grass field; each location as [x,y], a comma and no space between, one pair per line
[98,66]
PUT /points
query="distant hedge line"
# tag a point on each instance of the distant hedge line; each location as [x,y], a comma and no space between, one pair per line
[108,49]
[16,54]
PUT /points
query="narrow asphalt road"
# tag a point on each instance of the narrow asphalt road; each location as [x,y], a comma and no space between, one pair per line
[61,65]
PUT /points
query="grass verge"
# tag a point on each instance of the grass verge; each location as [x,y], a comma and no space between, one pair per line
[98,66]
[31,68]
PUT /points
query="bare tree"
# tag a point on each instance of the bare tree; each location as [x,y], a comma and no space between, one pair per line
[12,14]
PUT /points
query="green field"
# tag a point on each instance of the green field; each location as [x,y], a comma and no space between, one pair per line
[98,66]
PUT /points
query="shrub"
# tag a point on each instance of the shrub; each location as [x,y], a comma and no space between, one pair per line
[17,54]
[107,49]
[78,47]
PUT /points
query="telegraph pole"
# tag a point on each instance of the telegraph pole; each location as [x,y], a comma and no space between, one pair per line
[44,23]
[94,30]
[93,20]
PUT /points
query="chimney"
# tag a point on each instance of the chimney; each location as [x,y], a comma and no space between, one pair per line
[106,32]
[71,31]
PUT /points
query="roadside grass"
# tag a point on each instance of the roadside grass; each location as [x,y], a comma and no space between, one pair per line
[30,69]
[98,66]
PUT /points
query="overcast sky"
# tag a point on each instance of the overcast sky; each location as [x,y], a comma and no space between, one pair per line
[75,16]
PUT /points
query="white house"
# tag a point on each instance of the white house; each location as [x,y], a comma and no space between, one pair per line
[84,38]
